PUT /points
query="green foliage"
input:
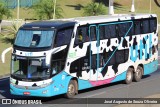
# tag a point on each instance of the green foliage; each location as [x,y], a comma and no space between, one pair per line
[94,9]
[4,11]
[45,9]
[10,32]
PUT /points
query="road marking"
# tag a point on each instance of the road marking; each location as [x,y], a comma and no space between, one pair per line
[94,94]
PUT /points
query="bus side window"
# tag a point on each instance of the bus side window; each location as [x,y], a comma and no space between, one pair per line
[102,32]
[137,27]
[63,37]
[107,32]
[120,56]
[110,31]
[81,35]
[93,33]
[112,60]
[122,29]
[94,61]
[153,25]
[126,54]
[68,34]
[145,26]
[59,38]
[58,62]
[131,31]
[85,34]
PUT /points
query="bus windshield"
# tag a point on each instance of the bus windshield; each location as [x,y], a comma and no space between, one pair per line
[29,69]
[34,38]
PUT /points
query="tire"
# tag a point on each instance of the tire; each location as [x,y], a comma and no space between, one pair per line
[129,76]
[138,74]
[71,91]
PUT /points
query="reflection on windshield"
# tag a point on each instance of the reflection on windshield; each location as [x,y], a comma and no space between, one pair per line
[30,38]
[29,69]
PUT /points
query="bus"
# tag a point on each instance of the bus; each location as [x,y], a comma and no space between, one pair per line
[64,56]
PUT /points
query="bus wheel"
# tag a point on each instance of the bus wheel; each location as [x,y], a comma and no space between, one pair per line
[71,89]
[138,74]
[129,76]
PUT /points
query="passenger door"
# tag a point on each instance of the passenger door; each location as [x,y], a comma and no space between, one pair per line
[94,52]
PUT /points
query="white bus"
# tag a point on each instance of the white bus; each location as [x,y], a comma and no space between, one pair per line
[63,56]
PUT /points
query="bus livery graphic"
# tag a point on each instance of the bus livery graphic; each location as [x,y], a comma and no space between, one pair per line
[64,56]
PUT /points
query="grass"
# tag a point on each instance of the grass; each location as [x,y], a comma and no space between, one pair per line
[73,8]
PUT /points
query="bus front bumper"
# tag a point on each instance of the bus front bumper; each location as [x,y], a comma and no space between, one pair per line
[41,92]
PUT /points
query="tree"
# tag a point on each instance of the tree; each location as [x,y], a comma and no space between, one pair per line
[10,32]
[94,9]
[45,9]
[4,11]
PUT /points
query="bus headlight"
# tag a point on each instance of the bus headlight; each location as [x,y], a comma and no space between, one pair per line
[46,84]
[12,81]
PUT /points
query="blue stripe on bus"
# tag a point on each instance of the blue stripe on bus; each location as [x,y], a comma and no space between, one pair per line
[83,84]
[151,67]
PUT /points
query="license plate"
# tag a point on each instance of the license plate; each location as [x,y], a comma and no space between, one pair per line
[26,93]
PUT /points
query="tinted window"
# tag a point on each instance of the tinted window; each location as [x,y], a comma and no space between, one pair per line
[137,27]
[106,56]
[82,35]
[112,60]
[93,33]
[94,61]
[126,54]
[153,25]
[131,31]
[110,31]
[145,26]
[120,56]
[63,37]
[102,32]
[122,29]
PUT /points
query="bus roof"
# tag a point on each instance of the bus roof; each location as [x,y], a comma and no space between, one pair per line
[49,24]
[61,23]
[110,18]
